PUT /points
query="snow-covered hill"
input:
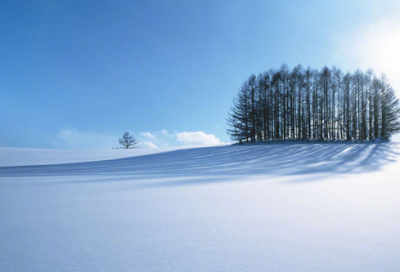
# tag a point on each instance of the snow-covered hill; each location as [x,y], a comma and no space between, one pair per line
[30,156]
[295,207]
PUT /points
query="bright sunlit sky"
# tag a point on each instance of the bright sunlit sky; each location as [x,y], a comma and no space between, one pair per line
[77,74]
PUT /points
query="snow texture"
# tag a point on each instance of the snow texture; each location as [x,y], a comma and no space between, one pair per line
[278,207]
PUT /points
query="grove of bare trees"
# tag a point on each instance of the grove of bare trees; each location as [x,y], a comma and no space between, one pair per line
[310,104]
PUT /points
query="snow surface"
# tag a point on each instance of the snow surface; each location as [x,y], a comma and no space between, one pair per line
[10,156]
[282,207]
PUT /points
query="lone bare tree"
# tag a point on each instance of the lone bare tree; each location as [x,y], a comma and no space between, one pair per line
[127,141]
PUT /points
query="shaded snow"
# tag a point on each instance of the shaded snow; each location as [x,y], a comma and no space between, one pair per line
[319,207]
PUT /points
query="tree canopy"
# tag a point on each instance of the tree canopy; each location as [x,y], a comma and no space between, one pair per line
[127,141]
[315,105]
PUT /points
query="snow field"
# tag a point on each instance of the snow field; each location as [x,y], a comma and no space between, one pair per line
[316,207]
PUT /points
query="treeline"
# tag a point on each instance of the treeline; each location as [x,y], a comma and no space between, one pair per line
[315,105]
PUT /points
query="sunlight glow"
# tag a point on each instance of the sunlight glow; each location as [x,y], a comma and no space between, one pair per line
[376,47]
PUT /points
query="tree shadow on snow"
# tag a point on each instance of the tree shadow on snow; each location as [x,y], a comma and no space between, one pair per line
[222,163]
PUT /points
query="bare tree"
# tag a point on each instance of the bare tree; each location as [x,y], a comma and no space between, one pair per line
[390,111]
[127,141]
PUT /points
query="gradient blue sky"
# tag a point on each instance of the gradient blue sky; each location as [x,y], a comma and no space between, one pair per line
[77,74]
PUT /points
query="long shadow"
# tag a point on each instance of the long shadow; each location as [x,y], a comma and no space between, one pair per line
[216,164]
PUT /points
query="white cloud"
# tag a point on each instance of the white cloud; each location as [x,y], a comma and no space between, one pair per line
[198,138]
[147,144]
[147,134]
[167,134]
[71,138]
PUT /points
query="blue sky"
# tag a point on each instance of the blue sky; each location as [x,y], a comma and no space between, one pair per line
[77,74]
